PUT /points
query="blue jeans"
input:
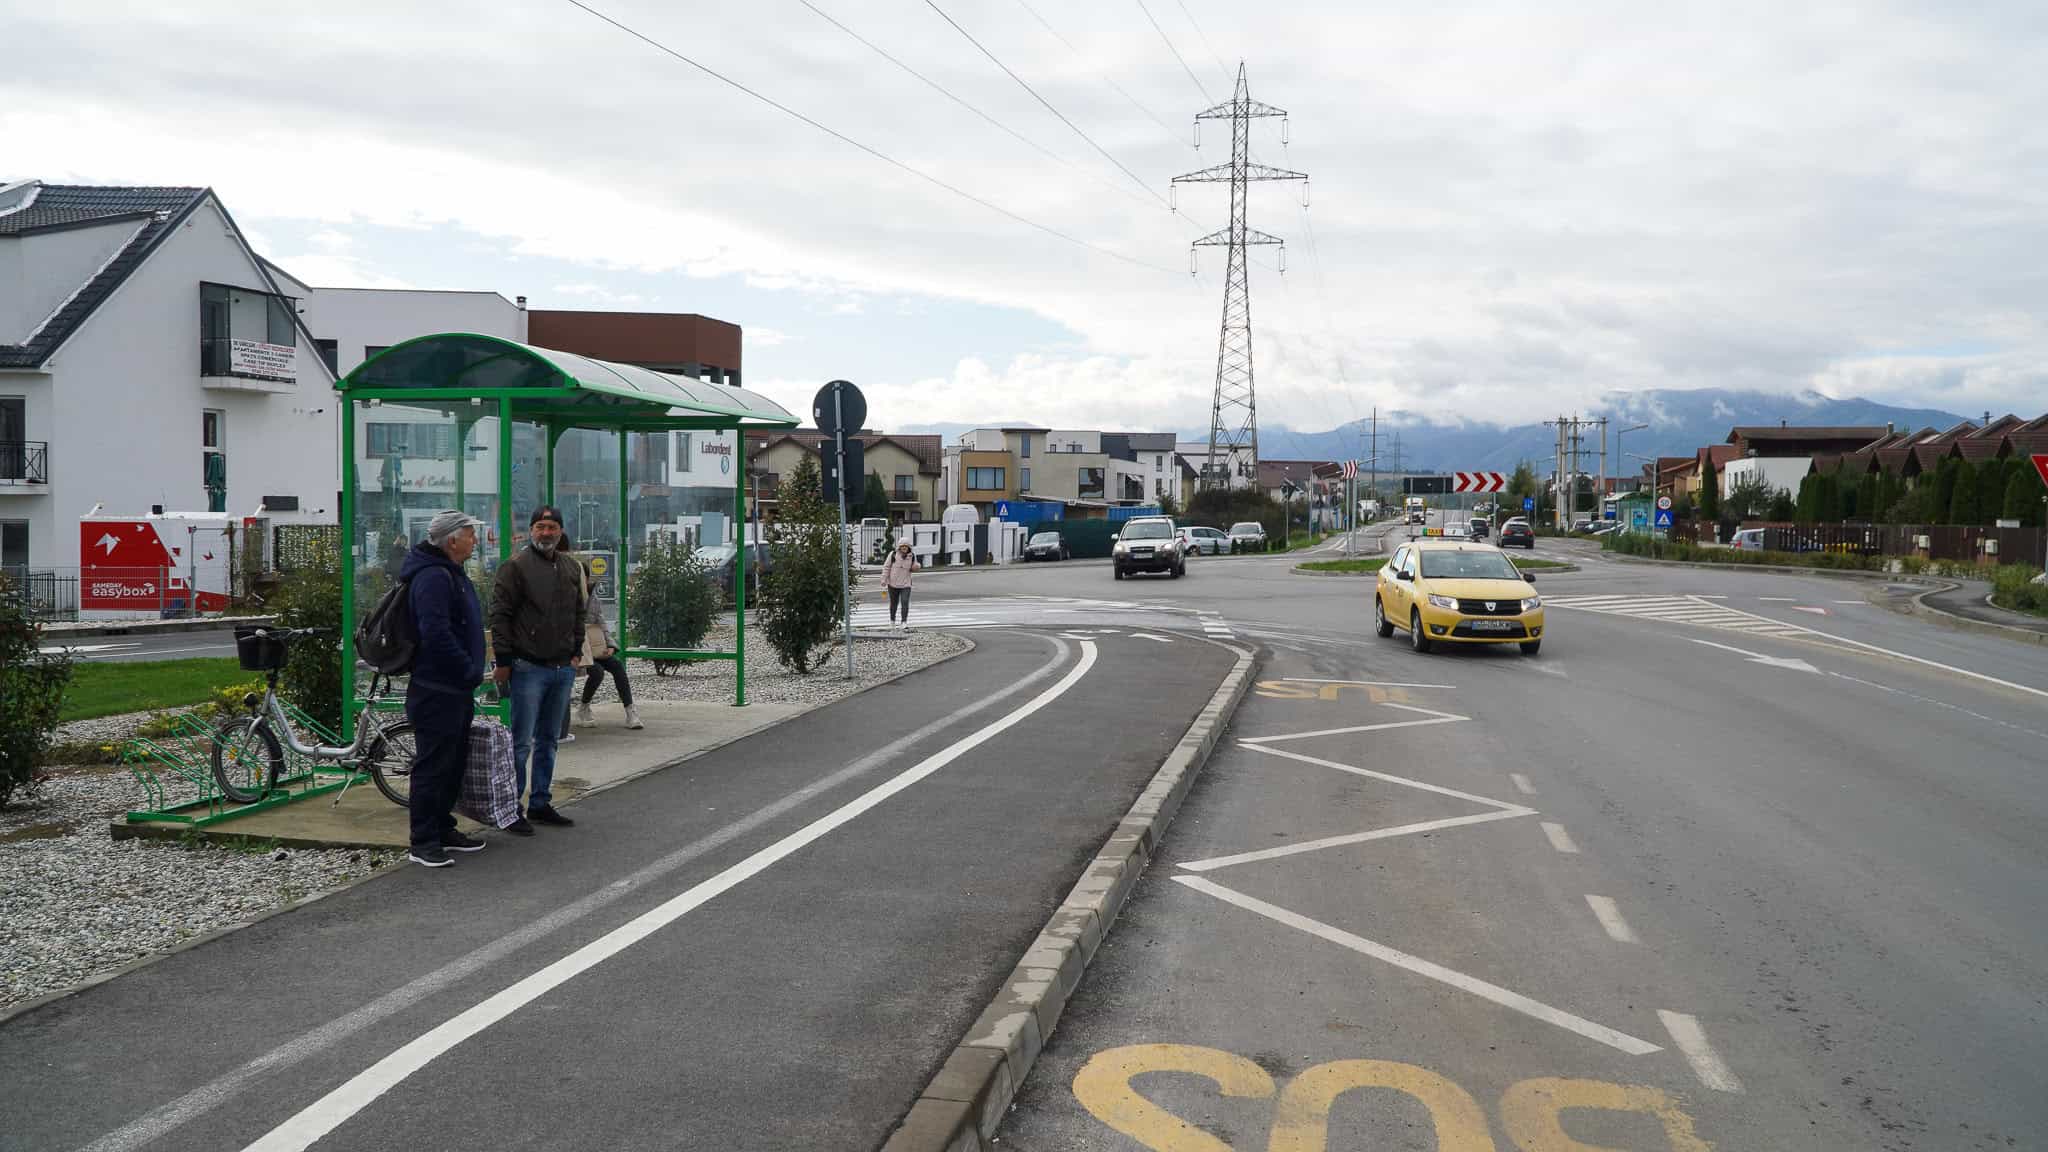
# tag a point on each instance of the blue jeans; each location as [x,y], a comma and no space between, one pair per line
[540,699]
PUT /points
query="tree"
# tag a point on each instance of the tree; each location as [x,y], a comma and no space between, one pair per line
[31,692]
[671,598]
[874,499]
[2022,499]
[1806,509]
[1944,492]
[1748,497]
[802,590]
[1710,498]
[1962,501]
[1166,505]
[1991,488]
[1523,484]
[311,598]
[1780,508]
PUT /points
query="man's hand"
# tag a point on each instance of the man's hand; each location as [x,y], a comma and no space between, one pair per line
[502,675]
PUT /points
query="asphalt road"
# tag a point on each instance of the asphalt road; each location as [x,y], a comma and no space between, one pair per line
[155,646]
[1740,861]
[753,949]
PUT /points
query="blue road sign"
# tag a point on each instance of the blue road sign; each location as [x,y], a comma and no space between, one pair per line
[1528,503]
[1638,519]
[1663,521]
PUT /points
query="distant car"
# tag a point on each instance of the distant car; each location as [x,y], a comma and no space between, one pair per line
[1148,544]
[1247,536]
[1480,526]
[717,560]
[1606,526]
[1045,546]
[1199,540]
[1517,533]
[1582,524]
[1446,591]
[1747,540]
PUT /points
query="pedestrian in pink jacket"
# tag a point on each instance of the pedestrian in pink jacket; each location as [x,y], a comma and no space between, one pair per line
[896,572]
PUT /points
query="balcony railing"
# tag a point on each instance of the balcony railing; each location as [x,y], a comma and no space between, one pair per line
[25,461]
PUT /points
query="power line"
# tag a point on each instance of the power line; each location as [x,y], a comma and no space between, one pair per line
[876,153]
[1139,180]
[948,94]
[1221,66]
[1163,125]
[1176,52]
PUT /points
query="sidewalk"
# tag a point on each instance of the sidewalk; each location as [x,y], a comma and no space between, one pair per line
[1967,602]
[600,758]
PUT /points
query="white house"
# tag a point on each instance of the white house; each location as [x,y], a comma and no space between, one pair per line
[352,324]
[149,359]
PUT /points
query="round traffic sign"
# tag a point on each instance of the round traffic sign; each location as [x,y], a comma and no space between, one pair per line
[1663,503]
[851,411]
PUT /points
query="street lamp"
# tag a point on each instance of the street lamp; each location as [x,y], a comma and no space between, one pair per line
[1624,432]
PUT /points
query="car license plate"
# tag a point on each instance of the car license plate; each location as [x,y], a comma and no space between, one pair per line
[1494,625]
[1141,552]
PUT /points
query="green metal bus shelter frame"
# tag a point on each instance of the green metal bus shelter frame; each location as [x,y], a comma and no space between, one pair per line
[559,392]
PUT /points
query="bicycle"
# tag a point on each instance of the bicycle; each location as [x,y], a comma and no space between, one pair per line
[247,759]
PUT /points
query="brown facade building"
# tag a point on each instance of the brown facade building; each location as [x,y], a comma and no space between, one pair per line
[679,343]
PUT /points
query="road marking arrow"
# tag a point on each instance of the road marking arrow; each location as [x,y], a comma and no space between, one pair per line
[1149,636]
[1795,665]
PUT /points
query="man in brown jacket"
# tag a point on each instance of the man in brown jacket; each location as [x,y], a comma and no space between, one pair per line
[536,632]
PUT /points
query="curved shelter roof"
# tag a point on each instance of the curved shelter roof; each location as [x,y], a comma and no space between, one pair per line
[560,387]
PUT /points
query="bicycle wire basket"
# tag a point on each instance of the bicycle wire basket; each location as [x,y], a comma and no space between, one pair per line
[259,649]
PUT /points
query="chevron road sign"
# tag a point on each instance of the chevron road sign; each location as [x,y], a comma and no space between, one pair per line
[1350,469]
[1479,481]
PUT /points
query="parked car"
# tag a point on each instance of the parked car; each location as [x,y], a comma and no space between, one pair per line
[1148,544]
[1195,541]
[1247,536]
[1045,546]
[1747,540]
[1517,533]
[1446,591]
[1479,527]
[1582,524]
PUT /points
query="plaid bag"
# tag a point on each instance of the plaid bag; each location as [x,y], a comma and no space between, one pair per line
[490,788]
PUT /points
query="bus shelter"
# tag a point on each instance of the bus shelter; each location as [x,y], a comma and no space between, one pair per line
[478,423]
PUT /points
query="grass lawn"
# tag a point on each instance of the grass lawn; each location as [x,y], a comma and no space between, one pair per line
[107,687]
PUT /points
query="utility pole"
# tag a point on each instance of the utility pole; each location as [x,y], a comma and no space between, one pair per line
[1233,408]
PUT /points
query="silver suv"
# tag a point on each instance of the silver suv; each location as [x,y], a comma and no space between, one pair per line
[1148,544]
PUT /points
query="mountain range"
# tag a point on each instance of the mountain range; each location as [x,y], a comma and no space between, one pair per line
[1680,422]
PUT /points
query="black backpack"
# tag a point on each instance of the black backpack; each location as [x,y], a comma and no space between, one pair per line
[388,637]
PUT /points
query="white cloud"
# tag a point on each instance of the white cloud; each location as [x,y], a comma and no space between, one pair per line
[1518,209]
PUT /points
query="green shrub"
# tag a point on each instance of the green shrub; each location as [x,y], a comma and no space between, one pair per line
[31,694]
[311,598]
[2012,587]
[671,601]
[802,591]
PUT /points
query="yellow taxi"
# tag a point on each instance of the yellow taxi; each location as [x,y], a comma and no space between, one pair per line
[1457,592]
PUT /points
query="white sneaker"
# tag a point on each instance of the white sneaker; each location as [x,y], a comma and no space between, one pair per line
[633,717]
[566,738]
[585,718]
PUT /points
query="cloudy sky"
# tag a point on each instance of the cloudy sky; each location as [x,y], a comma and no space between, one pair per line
[1514,207]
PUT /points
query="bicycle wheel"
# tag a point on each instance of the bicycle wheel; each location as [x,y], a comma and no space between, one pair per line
[390,761]
[247,760]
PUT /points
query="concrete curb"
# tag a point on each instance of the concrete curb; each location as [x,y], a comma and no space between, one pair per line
[961,1108]
[153,627]
[1917,605]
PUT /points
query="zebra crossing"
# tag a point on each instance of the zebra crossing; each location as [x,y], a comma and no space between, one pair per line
[1696,610]
[969,613]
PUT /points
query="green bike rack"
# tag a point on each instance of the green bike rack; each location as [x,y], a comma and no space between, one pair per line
[176,774]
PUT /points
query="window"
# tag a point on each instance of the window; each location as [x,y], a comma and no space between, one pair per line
[370,350]
[768,483]
[1091,480]
[13,546]
[210,427]
[412,441]
[683,447]
[906,487]
[987,479]
[1024,478]
[330,355]
[1159,463]
[228,314]
[1027,447]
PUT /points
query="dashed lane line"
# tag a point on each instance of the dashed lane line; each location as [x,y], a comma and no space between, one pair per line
[1522,784]
[1610,917]
[1692,1041]
[1560,839]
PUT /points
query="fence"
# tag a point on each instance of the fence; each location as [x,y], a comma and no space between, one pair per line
[1958,543]
[46,595]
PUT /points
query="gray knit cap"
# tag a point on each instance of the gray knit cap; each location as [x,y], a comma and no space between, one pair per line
[446,524]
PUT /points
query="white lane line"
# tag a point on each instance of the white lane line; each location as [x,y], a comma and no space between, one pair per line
[1777,599]
[1845,601]
[1610,918]
[1420,785]
[1365,683]
[330,1111]
[1910,658]
[1708,596]
[1215,862]
[1425,968]
[1560,839]
[1706,1063]
[1522,784]
[1436,718]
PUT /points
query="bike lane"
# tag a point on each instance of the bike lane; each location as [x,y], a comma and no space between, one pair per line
[800,998]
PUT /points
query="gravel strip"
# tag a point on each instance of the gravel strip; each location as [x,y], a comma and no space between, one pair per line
[74,902]
[106,729]
[768,682]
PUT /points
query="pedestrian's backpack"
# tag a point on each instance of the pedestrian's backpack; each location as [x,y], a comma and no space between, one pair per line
[389,636]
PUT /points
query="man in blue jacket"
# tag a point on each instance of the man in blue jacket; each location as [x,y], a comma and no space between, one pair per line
[440,698]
